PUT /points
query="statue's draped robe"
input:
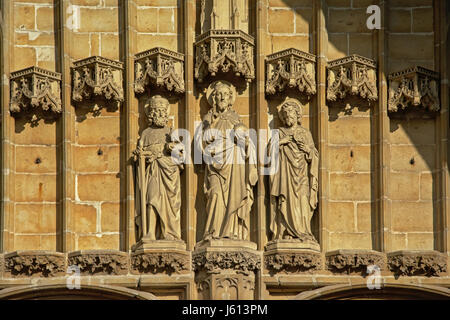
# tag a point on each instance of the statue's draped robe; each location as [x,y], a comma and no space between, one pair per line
[162,176]
[229,178]
[293,187]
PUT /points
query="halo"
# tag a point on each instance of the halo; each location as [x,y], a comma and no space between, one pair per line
[212,86]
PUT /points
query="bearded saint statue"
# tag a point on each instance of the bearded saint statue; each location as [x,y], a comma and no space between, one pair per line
[157,177]
[294,183]
[231,170]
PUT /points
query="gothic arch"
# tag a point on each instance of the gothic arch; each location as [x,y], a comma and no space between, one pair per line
[387,291]
[61,292]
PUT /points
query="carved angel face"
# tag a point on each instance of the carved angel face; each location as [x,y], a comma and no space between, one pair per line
[157,114]
[222,97]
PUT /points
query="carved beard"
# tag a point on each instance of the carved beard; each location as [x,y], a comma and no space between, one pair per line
[160,121]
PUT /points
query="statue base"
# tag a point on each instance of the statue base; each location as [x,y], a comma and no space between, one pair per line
[294,244]
[225,268]
[160,256]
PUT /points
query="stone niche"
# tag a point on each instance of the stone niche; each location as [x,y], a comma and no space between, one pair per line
[353,75]
[291,68]
[414,88]
[160,68]
[35,89]
[225,269]
[225,51]
[97,77]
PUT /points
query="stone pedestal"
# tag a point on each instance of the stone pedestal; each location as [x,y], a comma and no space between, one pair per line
[160,256]
[292,256]
[225,269]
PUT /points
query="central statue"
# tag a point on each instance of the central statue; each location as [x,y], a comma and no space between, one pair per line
[231,170]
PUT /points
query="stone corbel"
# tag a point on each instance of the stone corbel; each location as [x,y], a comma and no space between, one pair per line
[414,87]
[35,87]
[348,261]
[34,263]
[291,68]
[352,75]
[417,263]
[97,76]
[99,262]
[159,67]
[226,51]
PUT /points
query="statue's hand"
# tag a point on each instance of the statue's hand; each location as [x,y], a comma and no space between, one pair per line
[286,139]
[304,147]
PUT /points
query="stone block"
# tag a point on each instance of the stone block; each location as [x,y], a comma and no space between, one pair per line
[410,3]
[24,57]
[352,20]
[349,131]
[398,241]
[48,242]
[350,186]
[95,45]
[98,187]
[84,218]
[400,21]
[109,241]
[80,48]
[411,47]
[98,131]
[412,216]
[281,21]
[290,3]
[426,186]
[110,46]
[341,217]
[147,20]
[339,3]
[44,19]
[412,158]
[27,242]
[166,20]
[420,241]
[35,188]
[346,159]
[157,3]
[361,44]
[110,217]
[412,131]
[35,159]
[404,186]
[337,46]
[96,159]
[422,20]
[303,21]
[350,241]
[297,42]
[35,218]
[24,17]
[35,39]
[364,216]
[99,20]
[147,41]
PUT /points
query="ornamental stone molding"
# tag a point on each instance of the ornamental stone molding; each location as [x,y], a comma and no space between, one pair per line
[97,77]
[352,75]
[415,87]
[295,261]
[291,68]
[417,263]
[99,262]
[2,264]
[226,51]
[34,263]
[159,67]
[349,261]
[169,262]
[35,87]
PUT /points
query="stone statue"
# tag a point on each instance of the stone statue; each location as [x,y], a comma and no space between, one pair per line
[231,170]
[294,184]
[157,176]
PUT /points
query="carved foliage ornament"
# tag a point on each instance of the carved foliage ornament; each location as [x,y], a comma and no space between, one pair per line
[352,75]
[413,87]
[353,260]
[226,51]
[29,263]
[35,87]
[417,263]
[293,262]
[97,76]
[213,262]
[160,67]
[155,262]
[100,262]
[291,68]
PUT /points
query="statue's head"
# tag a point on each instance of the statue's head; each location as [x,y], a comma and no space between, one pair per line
[157,111]
[221,95]
[290,112]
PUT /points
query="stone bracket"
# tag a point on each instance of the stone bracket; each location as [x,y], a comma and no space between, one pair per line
[414,87]
[160,261]
[292,261]
[159,67]
[99,262]
[291,68]
[226,51]
[350,261]
[352,75]
[417,263]
[97,76]
[34,263]
[35,87]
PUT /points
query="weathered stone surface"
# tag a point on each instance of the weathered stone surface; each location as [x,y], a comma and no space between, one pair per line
[350,261]
[34,263]
[292,261]
[415,263]
[99,262]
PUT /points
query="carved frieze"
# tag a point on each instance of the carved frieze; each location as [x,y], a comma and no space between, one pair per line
[97,76]
[349,261]
[99,262]
[352,75]
[226,51]
[159,262]
[417,263]
[295,261]
[291,68]
[414,87]
[216,261]
[35,87]
[159,67]
[34,263]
